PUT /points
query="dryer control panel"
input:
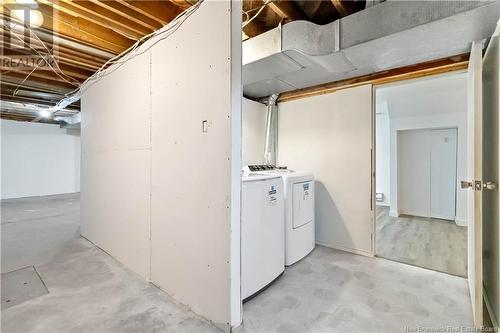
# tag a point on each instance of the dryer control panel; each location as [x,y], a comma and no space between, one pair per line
[254,168]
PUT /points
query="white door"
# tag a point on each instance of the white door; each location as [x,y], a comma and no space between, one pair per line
[474,171]
[443,173]
[484,242]
[489,212]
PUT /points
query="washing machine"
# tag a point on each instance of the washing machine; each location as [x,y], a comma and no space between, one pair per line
[262,238]
[298,191]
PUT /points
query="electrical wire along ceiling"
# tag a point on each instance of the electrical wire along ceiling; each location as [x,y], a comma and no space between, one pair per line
[52,49]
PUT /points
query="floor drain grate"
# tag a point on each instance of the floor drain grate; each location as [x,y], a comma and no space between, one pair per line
[20,286]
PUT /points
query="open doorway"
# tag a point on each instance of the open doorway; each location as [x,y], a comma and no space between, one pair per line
[421,133]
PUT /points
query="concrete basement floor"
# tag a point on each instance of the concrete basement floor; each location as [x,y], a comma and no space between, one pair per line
[335,291]
[88,290]
[328,291]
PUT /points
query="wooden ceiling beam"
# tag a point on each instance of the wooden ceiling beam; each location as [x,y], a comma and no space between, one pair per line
[183,4]
[254,28]
[55,48]
[77,12]
[288,10]
[103,17]
[59,56]
[66,65]
[161,11]
[15,80]
[347,7]
[128,13]
[81,30]
[74,72]
[40,76]
[434,67]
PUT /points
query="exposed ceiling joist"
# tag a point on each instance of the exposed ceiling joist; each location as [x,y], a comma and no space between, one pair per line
[184,4]
[254,28]
[110,16]
[160,11]
[79,29]
[73,8]
[341,7]
[288,10]
[49,85]
[81,35]
[126,12]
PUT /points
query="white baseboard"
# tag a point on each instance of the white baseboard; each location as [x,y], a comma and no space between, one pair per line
[393,213]
[491,314]
[461,223]
[346,249]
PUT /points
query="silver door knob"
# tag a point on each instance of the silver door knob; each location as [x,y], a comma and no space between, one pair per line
[489,186]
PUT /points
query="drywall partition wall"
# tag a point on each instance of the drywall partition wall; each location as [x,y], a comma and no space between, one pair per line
[116,167]
[447,120]
[38,159]
[191,162]
[253,132]
[160,171]
[331,136]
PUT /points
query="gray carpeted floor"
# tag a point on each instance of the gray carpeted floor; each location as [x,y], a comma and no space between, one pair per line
[425,242]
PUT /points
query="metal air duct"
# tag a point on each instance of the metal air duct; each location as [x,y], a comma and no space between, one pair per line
[271,142]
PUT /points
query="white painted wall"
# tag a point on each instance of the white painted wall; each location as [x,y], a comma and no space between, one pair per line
[157,191]
[254,132]
[39,159]
[383,156]
[331,136]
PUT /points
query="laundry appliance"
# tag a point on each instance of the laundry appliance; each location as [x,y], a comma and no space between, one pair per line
[262,237]
[298,189]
